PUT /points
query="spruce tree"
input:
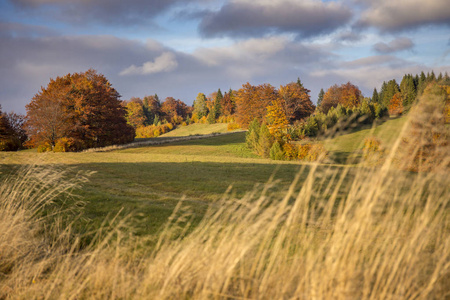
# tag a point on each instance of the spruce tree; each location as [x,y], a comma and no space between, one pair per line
[320,97]
[375,96]
[408,90]
[218,105]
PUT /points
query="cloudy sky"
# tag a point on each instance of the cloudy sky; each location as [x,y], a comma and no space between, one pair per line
[179,48]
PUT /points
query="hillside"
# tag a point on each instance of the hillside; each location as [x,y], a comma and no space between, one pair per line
[197,128]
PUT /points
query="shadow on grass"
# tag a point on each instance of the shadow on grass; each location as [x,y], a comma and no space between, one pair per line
[230,138]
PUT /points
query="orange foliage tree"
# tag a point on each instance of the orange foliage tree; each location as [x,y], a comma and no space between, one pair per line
[296,101]
[82,108]
[174,111]
[348,95]
[396,105]
[252,101]
[135,113]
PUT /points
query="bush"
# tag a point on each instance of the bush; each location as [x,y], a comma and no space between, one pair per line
[372,151]
[265,141]
[290,151]
[276,152]
[303,150]
[316,153]
[233,126]
[45,147]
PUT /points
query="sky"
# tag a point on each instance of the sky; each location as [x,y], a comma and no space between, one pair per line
[179,48]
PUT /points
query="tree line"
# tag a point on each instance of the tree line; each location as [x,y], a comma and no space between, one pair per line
[82,110]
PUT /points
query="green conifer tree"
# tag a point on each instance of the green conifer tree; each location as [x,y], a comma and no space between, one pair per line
[320,97]
[218,105]
[375,96]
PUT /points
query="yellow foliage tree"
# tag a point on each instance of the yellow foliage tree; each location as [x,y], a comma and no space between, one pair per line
[277,121]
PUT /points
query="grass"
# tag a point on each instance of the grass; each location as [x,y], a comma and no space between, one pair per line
[197,128]
[149,181]
[347,147]
[309,231]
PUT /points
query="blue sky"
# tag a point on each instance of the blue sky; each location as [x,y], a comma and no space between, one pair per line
[179,48]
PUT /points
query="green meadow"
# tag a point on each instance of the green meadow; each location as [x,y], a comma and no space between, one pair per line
[148,182]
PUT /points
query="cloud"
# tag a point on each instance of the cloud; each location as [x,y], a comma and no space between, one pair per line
[164,63]
[245,18]
[389,15]
[111,12]
[399,44]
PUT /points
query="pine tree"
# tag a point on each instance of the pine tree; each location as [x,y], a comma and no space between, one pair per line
[375,96]
[408,90]
[320,97]
[218,104]
[391,88]
[252,135]
[265,141]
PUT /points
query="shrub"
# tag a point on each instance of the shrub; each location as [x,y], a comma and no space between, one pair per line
[290,151]
[265,141]
[276,152]
[372,151]
[233,126]
[303,150]
[316,153]
[45,147]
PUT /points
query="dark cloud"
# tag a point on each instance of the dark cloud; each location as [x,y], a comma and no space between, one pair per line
[399,44]
[389,15]
[110,12]
[349,36]
[246,18]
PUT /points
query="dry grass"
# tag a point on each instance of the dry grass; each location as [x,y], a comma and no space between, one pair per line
[383,234]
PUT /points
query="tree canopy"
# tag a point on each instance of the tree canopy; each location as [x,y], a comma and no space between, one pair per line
[80,110]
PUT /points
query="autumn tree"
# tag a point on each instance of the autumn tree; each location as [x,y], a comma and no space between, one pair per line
[49,116]
[200,108]
[83,108]
[151,106]
[347,95]
[174,111]
[388,90]
[12,134]
[396,105]
[295,101]
[277,121]
[135,113]
[252,101]
[228,104]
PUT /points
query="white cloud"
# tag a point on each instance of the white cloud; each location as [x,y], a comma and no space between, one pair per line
[166,62]
[245,51]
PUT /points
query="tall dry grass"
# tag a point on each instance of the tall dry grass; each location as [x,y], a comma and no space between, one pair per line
[341,233]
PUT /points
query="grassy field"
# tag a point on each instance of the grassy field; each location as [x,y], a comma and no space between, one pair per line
[149,181]
[284,230]
[197,128]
